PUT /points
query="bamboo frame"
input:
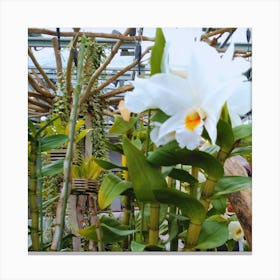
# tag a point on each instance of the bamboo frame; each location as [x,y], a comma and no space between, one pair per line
[90,34]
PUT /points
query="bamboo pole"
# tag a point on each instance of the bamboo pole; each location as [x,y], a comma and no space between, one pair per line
[154,223]
[62,202]
[32,198]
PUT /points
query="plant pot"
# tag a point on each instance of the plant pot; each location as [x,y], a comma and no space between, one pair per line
[57,154]
[84,186]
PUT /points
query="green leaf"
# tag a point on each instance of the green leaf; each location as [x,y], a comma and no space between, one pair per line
[225,137]
[213,234]
[157,52]
[189,206]
[182,175]
[242,131]
[82,134]
[111,187]
[231,184]
[122,126]
[112,230]
[47,203]
[144,176]
[172,154]
[117,147]
[32,129]
[241,151]
[137,247]
[117,231]
[53,168]
[220,204]
[53,141]
[225,115]
[141,247]
[159,116]
[107,165]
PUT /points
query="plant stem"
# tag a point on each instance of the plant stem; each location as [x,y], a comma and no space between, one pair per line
[193,190]
[39,187]
[154,223]
[32,199]
[62,203]
[192,236]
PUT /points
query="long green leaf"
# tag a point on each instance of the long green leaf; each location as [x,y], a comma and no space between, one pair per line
[231,184]
[107,165]
[53,168]
[53,141]
[213,234]
[112,230]
[242,151]
[49,201]
[157,52]
[182,175]
[112,186]
[82,134]
[141,247]
[122,126]
[172,154]
[189,206]
[242,131]
[225,137]
[144,176]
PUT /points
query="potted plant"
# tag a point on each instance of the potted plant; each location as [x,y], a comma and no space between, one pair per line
[84,176]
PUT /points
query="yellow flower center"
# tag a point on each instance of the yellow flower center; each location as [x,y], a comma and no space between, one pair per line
[192,120]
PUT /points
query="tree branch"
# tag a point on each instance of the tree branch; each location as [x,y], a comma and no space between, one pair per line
[37,88]
[117,91]
[46,78]
[57,58]
[90,34]
[70,63]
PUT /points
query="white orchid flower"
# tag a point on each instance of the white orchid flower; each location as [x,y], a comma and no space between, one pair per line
[193,102]
[235,231]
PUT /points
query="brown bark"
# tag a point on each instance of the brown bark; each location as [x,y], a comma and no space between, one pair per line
[241,201]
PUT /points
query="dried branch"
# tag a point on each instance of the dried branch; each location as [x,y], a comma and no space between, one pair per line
[115,101]
[39,80]
[70,63]
[98,71]
[205,37]
[117,91]
[37,109]
[90,34]
[40,96]
[37,88]
[118,74]
[46,78]
[57,58]
[37,103]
